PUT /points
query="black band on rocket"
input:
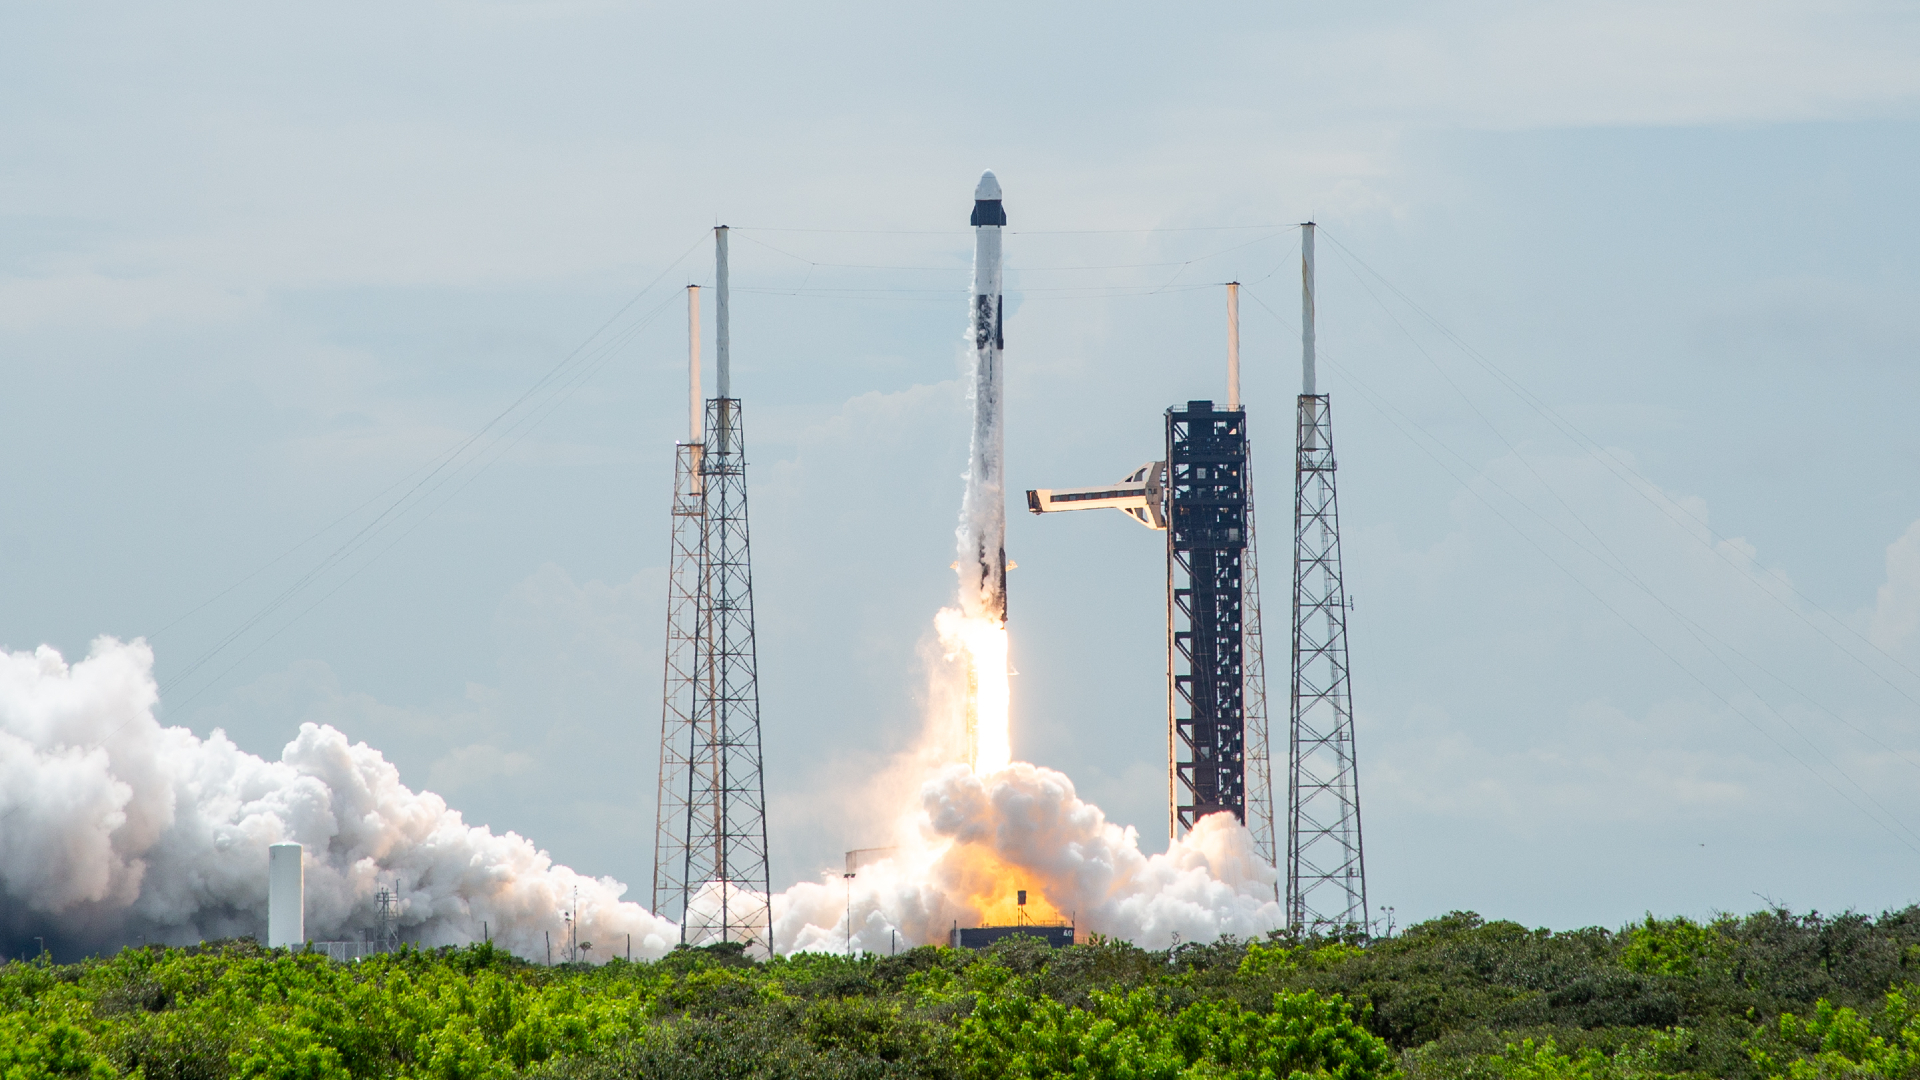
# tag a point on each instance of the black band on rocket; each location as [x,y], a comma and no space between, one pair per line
[989,212]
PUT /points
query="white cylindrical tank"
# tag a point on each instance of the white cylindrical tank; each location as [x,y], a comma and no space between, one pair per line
[286,897]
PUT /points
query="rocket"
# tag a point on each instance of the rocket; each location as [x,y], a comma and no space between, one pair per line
[983,529]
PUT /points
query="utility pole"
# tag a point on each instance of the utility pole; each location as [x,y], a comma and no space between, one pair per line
[849,877]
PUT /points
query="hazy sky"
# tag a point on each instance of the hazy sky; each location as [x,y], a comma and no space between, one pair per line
[1617,314]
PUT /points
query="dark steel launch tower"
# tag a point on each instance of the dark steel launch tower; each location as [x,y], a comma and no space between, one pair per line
[1201,493]
[1206,492]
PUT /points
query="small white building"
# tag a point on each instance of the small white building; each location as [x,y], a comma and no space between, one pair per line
[286,897]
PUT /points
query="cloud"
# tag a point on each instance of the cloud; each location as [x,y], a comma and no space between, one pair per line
[1896,609]
[470,766]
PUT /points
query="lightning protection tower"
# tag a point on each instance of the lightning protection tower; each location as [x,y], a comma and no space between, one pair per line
[714,749]
[1326,871]
[686,583]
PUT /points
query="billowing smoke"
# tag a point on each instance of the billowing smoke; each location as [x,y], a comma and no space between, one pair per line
[115,830]
[972,841]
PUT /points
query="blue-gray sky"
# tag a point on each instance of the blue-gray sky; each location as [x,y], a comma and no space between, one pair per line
[260,265]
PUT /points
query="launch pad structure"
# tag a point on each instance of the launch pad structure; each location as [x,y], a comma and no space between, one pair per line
[711,857]
[1218,745]
[1207,539]
[710,851]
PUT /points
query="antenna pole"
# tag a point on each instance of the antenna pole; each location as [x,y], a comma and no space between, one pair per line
[1233,346]
[1306,309]
[694,409]
[722,341]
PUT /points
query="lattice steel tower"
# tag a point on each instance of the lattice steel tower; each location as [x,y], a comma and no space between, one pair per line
[686,583]
[1326,870]
[722,877]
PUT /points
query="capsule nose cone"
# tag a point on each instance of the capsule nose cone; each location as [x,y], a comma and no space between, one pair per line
[989,187]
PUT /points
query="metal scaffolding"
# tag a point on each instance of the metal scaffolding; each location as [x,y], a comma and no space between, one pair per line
[1259,817]
[685,583]
[725,874]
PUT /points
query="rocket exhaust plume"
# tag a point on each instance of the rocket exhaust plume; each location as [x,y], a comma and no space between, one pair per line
[976,634]
[116,829]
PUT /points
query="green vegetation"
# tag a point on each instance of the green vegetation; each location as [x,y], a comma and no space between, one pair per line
[1769,995]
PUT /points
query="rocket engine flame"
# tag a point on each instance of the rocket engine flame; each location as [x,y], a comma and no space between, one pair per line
[980,646]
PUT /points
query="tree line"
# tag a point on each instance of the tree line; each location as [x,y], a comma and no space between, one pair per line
[1772,994]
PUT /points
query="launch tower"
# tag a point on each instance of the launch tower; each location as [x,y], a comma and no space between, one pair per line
[1206,538]
[710,854]
[1201,494]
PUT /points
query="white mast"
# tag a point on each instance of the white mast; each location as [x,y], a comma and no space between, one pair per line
[1233,345]
[693,363]
[722,343]
[1306,309]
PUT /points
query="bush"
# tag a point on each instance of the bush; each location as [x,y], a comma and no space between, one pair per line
[1774,994]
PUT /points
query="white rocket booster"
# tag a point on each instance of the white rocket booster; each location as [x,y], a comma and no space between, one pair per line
[983,529]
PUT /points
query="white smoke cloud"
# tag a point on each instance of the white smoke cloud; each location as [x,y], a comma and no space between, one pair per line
[115,829]
[972,841]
